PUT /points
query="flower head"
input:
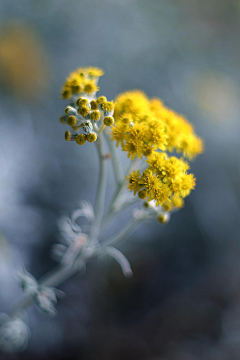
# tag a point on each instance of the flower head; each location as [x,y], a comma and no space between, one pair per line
[87,115]
[148,130]
[144,128]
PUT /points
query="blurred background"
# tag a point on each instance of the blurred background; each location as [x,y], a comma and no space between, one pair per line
[183,302]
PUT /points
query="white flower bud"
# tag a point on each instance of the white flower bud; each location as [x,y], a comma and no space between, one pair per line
[14,335]
[87,127]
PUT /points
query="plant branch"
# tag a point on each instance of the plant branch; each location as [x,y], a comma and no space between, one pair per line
[53,278]
[117,167]
[122,234]
[100,200]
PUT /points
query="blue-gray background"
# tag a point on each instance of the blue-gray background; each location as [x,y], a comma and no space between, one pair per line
[183,302]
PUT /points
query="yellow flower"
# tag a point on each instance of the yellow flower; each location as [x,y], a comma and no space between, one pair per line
[94,71]
[83,80]
[190,145]
[133,149]
[132,102]
[174,166]
[108,105]
[82,102]
[147,150]
[101,99]
[157,163]
[118,133]
[90,87]
[133,181]
[177,201]
[126,118]
[143,127]
[157,134]
[183,184]
[155,188]
[86,112]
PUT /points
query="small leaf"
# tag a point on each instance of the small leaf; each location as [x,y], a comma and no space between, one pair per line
[121,259]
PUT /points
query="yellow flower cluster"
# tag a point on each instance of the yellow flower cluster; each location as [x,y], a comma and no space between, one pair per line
[146,128]
[87,115]
[83,80]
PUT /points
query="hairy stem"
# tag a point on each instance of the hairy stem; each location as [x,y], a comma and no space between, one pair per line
[63,272]
[117,167]
[53,278]
[100,200]
[122,234]
[121,187]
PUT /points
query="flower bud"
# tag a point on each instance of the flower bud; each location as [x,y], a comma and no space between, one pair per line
[63,119]
[70,110]
[167,206]
[94,105]
[95,115]
[71,120]
[142,194]
[90,87]
[108,120]
[77,89]
[66,94]
[81,139]
[83,111]
[82,102]
[108,106]
[101,99]
[91,137]
[163,218]
[70,135]
[14,335]
[87,126]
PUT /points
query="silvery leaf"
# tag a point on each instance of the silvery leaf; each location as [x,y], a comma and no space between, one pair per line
[64,224]
[121,259]
[58,251]
[46,299]
[85,210]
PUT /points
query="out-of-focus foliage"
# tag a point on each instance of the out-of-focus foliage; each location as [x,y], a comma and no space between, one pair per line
[218,96]
[23,67]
